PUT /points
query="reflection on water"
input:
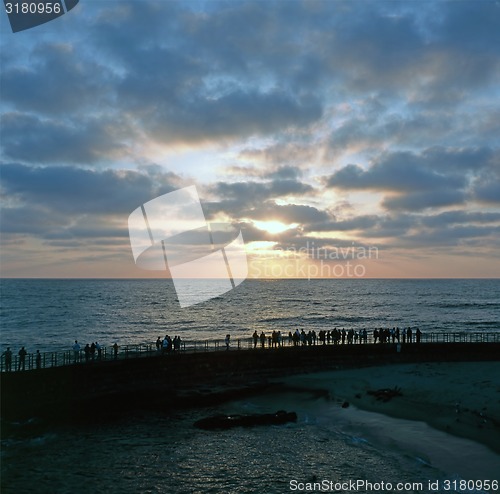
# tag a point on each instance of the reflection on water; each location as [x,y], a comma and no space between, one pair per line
[50,314]
[166,454]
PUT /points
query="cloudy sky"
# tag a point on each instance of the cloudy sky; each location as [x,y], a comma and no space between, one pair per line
[324,125]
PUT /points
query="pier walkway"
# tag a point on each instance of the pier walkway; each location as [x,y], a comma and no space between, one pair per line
[141,378]
[58,359]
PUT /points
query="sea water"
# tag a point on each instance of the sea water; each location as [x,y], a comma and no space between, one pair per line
[49,314]
[164,453]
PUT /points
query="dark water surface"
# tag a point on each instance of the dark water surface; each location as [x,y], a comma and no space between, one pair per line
[50,314]
[166,454]
[152,452]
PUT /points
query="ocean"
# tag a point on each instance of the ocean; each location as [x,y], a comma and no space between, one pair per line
[49,314]
[150,452]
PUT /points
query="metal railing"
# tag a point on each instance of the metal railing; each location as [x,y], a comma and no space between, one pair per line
[33,361]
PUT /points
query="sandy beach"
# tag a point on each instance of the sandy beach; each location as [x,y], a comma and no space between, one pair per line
[462,399]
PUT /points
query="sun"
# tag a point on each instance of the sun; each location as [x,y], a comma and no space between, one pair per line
[274,226]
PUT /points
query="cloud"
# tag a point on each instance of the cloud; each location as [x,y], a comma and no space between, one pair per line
[417,201]
[59,80]
[362,222]
[80,191]
[459,216]
[287,214]
[256,192]
[435,177]
[393,99]
[238,114]
[55,141]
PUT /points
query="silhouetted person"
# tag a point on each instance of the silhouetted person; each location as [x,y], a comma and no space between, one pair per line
[76,351]
[115,350]
[228,337]
[177,343]
[38,359]
[262,339]
[418,334]
[255,337]
[8,359]
[22,358]
[86,350]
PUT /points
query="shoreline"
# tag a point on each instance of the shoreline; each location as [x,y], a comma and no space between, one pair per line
[459,398]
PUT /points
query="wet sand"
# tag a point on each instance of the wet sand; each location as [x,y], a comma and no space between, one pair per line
[462,399]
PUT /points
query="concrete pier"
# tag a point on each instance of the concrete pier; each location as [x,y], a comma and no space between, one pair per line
[111,388]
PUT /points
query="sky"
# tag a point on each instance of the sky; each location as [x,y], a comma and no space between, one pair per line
[343,139]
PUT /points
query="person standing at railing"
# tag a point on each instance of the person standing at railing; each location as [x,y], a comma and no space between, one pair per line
[22,358]
[409,335]
[115,350]
[38,359]
[177,343]
[8,359]
[86,350]
[76,351]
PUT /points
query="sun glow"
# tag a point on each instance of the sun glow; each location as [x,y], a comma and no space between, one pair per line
[274,226]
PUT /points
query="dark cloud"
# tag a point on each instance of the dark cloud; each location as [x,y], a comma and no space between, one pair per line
[362,222]
[289,213]
[459,216]
[80,191]
[486,186]
[488,192]
[59,80]
[401,171]
[417,201]
[407,90]
[238,114]
[254,193]
[56,141]
[285,173]
[433,178]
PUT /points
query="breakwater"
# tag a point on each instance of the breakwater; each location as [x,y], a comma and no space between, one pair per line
[89,391]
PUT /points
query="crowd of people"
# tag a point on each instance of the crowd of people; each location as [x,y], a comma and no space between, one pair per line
[94,351]
[335,337]
[90,352]
[21,361]
[168,344]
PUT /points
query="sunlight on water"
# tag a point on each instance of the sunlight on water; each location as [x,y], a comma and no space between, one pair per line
[50,314]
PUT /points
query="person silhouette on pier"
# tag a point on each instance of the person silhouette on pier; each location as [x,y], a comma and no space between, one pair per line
[22,358]
[8,359]
[86,350]
[38,359]
[262,339]
[99,350]
[409,334]
[76,351]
